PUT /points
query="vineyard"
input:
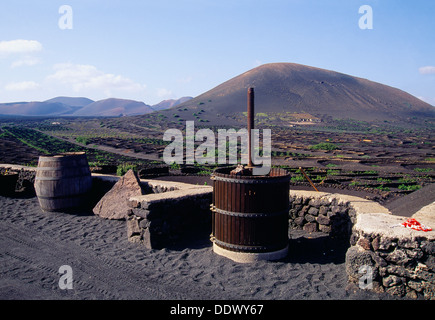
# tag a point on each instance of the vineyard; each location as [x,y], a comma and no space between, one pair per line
[383,161]
[49,145]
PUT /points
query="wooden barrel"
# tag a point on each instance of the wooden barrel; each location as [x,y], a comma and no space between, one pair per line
[63,181]
[250,213]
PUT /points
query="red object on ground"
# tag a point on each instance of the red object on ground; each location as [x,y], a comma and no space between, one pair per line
[414,224]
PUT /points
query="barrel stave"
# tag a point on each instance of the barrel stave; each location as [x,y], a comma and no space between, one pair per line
[251,213]
[63,181]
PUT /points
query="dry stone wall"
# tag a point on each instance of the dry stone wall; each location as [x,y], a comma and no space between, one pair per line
[383,255]
[159,220]
[325,214]
[401,261]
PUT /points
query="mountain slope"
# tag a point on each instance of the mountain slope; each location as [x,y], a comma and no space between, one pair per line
[71,101]
[166,104]
[113,107]
[78,106]
[289,87]
[35,108]
[59,106]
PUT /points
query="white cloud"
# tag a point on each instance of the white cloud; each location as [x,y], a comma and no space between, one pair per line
[83,78]
[427,70]
[164,93]
[20,46]
[185,80]
[22,86]
[27,61]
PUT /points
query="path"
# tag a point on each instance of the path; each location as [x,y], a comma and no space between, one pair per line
[408,205]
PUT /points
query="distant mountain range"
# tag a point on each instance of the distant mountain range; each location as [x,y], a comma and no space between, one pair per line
[279,88]
[79,106]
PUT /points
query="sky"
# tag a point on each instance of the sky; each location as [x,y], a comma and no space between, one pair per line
[155,50]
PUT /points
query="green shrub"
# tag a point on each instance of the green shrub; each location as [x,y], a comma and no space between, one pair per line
[175,166]
[409,188]
[324,146]
[205,172]
[423,169]
[382,188]
[332,172]
[298,178]
[124,167]
[370,172]
[82,140]
[406,180]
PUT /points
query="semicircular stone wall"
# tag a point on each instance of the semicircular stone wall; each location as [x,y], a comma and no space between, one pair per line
[383,255]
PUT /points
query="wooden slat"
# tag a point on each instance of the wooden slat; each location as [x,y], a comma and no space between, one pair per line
[236,230]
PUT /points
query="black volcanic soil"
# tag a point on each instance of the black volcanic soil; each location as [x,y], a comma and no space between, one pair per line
[13,151]
[409,204]
[371,164]
[108,267]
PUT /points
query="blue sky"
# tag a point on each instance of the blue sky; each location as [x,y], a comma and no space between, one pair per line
[155,50]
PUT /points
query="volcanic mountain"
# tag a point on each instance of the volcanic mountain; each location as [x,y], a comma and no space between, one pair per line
[295,88]
[113,107]
[52,107]
[80,106]
[71,101]
[166,104]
